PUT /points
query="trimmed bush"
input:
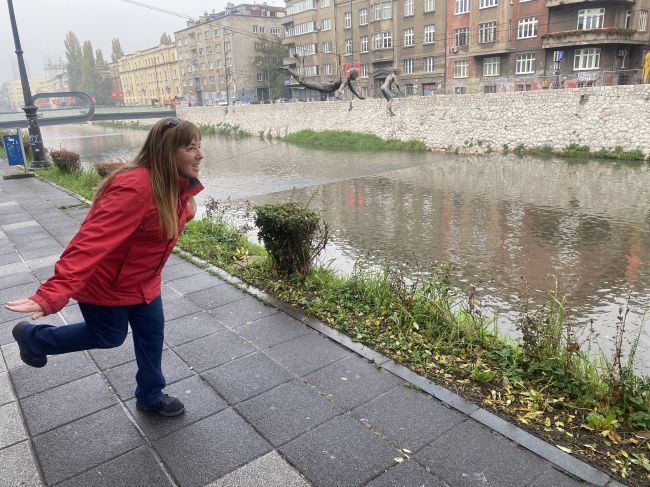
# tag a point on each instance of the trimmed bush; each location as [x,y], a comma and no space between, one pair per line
[106,168]
[66,160]
[292,234]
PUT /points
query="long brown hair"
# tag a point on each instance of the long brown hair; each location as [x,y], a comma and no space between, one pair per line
[159,155]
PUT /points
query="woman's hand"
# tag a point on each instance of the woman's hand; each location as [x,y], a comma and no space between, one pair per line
[26,306]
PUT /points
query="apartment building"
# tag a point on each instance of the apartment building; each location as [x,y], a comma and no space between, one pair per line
[375,36]
[216,54]
[15,91]
[150,76]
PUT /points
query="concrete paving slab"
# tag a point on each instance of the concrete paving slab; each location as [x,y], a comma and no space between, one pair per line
[176,308]
[308,353]
[410,418]
[199,399]
[341,452]
[40,262]
[12,430]
[9,269]
[216,296]
[406,474]
[180,270]
[208,449]
[191,327]
[6,392]
[72,314]
[273,330]
[271,470]
[195,282]
[246,377]
[43,252]
[19,227]
[60,369]
[107,358]
[240,312]
[11,355]
[66,403]
[10,258]
[213,350]
[86,443]
[137,468]
[557,479]
[287,411]
[352,381]
[122,377]
[470,454]
[17,467]
[3,366]
[13,280]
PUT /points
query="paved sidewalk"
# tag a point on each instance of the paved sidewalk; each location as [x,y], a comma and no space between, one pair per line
[271,398]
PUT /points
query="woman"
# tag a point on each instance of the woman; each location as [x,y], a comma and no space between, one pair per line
[112,265]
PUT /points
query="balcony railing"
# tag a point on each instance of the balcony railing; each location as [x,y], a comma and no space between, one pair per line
[557,3]
[608,35]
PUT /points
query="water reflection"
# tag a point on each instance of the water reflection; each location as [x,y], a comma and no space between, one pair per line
[496,218]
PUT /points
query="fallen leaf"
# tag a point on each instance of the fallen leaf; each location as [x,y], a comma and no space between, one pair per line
[642,434]
[398,459]
[564,449]
[406,450]
[344,378]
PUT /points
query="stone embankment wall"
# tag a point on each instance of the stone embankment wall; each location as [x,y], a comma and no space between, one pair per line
[598,117]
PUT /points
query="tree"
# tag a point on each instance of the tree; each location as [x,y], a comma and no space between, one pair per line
[117,50]
[89,75]
[73,57]
[269,53]
[105,87]
[165,38]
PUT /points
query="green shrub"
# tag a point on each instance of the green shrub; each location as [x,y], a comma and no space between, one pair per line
[65,160]
[292,234]
[106,168]
[576,150]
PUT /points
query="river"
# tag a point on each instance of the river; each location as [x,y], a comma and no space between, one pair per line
[501,221]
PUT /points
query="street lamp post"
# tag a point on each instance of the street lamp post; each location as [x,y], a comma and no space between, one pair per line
[39,161]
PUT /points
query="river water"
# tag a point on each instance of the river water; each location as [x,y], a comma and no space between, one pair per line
[499,220]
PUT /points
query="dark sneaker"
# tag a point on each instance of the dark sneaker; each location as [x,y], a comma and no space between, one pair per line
[168,406]
[28,358]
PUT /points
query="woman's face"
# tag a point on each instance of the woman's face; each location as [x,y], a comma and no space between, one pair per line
[188,159]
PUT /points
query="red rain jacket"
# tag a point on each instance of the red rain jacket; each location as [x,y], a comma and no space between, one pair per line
[116,257]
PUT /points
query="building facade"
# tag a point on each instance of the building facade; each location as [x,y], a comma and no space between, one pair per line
[15,91]
[375,36]
[216,54]
[150,76]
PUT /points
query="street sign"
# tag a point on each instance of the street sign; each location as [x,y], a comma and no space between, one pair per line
[14,149]
[558,56]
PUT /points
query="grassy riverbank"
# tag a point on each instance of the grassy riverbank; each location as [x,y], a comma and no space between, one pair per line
[547,383]
[347,140]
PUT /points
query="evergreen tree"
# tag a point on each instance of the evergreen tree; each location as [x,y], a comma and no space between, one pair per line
[73,64]
[165,38]
[117,50]
[89,75]
[269,53]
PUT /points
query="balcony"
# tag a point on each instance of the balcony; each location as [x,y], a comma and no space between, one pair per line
[608,35]
[558,3]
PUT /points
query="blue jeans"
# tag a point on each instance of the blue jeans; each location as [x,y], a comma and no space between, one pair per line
[107,327]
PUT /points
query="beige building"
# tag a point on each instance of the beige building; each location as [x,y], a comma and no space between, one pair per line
[15,91]
[151,76]
[376,35]
[216,54]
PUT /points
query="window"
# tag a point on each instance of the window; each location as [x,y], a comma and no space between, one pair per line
[364,70]
[462,7]
[323,4]
[327,69]
[376,11]
[461,68]
[460,90]
[388,9]
[311,70]
[525,64]
[428,64]
[490,89]
[408,37]
[387,39]
[408,66]
[274,30]
[487,32]
[587,58]
[299,29]
[226,46]
[628,19]
[429,34]
[461,36]
[255,29]
[363,16]
[326,24]
[327,46]
[491,66]
[376,41]
[643,20]
[523,87]
[260,76]
[527,27]
[363,43]
[348,46]
[301,6]
[429,5]
[591,18]
[347,20]
[409,8]
[488,3]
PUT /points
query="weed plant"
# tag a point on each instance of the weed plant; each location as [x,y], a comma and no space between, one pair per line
[347,140]
[82,182]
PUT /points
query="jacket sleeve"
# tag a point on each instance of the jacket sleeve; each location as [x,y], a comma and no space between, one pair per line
[112,220]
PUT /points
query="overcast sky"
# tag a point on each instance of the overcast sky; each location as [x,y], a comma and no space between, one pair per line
[43,25]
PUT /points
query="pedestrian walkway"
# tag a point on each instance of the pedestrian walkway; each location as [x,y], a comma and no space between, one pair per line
[273,397]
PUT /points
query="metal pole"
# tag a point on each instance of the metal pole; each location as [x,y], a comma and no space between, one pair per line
[39,161]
